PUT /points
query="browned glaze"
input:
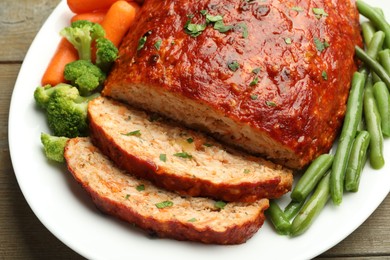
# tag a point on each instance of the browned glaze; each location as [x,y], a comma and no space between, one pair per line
[304,62]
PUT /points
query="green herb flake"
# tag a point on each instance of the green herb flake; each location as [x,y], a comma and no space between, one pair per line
[324,75]
[254,97]
[203,12]
[192,220]
[288,41]
[163,157]
[246,171]
[133,133]
[256,70]
[183,155]
[321,45]
[190,140]
[233,66]
[127,196]
[164,204]
[254,81]
[297,8]
[141,42]
[140,187]
[244,29]
[319,12]
[157,44]
[270,103]
[220,204]
[193,29]
[208,145]
[221,27]
[213,19]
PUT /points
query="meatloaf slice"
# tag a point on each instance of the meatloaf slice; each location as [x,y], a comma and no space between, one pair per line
[269,76]
[179,159]
[157,211]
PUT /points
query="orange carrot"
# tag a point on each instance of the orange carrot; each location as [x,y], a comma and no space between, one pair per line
[118,20]
[64,54]
[87,6]
[95,17]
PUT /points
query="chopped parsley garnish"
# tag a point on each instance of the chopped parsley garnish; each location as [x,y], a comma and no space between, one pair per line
[203,12]
[190,140]
[254,81]
[320,45]
[324,75]
[319,12]
[246,171]
[194,29]
[213,19]
[244,29]
[221,27]
[134,133]
[164,204]
[157,45]
[192,220]
[140,187]
[256,70]
[254,97]
[141,42]
[297,8]
[207,145]
[163,157]
[233,66]
[183,155]
[127,196]
[288,41]
[220,204]
[270,103]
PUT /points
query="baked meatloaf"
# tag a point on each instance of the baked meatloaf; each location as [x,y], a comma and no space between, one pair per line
[269,76]
[157,211]
[181,160]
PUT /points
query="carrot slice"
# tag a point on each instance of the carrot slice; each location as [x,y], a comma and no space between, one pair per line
[118,20]
[95,17]
[64,54]
[86,6]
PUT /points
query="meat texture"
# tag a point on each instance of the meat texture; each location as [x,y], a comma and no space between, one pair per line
[157,211]
[181,160]
[269,76]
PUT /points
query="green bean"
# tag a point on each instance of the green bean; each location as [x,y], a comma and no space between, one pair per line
[352,119]
[373,48]
[373,65]
[312,207]
[291,210]
[278,219]
[382,98]
[384,59]
[311,177]
[376,18]
[368,31]
[373,123]
[356,161]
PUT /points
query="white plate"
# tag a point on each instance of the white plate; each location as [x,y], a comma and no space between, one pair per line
[65,209]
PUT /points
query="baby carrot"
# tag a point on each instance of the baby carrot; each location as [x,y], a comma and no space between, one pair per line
[86,6]
[64,54]
[95,17]
[118,19]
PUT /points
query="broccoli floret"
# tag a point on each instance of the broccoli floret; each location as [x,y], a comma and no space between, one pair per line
[85,75]
[106,54]
[54,147]
[66,110]
[42,95]
[81,34]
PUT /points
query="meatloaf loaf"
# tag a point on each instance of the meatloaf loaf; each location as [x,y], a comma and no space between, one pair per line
[181,160]
[269,76]
[157,211]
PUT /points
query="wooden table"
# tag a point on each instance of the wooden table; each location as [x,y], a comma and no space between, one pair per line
[22,236]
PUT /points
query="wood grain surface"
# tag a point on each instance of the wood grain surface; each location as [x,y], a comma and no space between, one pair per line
[22,235]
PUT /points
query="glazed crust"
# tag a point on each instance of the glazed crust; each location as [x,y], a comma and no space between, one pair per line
[297,102]
[114,192]
[103,114]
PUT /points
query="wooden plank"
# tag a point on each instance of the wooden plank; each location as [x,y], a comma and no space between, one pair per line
[19,23]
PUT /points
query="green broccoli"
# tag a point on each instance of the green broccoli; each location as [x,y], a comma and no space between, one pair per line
[85,75]
[54,147]
[66,110]
[81,34]
[106,54]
